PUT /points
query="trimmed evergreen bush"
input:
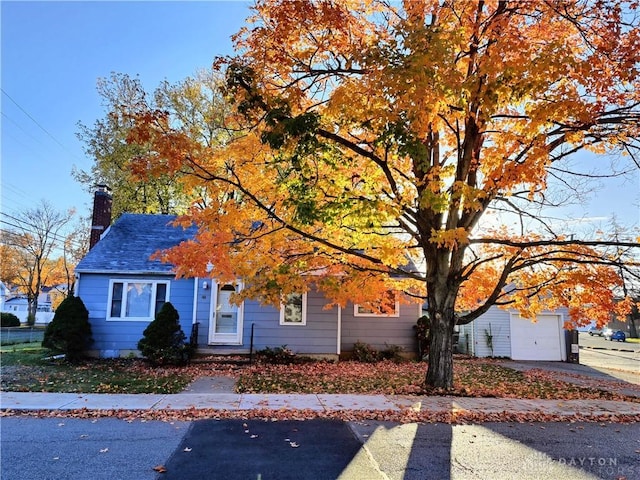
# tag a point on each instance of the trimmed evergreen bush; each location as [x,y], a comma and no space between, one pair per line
[70,331]
[9,320]
[164,342]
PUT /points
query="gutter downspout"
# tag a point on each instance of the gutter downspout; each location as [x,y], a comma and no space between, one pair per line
[339,339]
[195,300]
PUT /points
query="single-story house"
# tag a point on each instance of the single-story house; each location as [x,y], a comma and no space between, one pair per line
[504,333]
[122,287]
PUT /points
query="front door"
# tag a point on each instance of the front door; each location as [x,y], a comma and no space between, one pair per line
[226,317]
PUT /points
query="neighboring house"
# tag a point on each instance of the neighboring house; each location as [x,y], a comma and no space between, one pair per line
[19,306]
[4,295]
[515,337]
[123,288]
[16,304]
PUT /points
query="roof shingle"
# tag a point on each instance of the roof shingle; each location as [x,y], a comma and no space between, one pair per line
[131,240]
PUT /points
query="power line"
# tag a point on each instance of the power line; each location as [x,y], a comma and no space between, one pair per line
[20,127]
[38,123]
[55,236]
[33,119]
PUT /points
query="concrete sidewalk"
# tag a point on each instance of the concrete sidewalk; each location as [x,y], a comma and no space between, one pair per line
[23,401]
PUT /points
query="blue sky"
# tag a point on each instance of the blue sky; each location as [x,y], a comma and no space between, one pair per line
[53,53]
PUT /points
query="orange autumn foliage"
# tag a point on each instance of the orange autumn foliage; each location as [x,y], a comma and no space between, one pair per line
[367,139]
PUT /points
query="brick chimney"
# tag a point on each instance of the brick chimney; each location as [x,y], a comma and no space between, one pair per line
[101,213]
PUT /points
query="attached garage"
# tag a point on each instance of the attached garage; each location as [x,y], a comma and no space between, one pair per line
[539,340]
[503,333]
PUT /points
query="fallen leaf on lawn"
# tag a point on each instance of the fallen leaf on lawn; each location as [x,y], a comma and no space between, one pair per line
[56,458]
[246,431]
[187,449]
[160,469]
[84,436]
[294,444]
[104,450]
[245,425]
[253,436]
[61,424]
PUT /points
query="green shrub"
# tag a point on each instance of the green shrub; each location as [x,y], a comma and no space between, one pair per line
[392,352]
[9,320]
[276,356]
[363,352]
[70,331]
[164,342]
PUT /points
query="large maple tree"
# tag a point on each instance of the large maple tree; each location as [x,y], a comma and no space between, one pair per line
[369,138]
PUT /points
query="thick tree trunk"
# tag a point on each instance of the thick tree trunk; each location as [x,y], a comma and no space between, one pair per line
[440,369]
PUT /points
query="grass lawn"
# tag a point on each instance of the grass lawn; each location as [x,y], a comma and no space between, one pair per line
[26,368]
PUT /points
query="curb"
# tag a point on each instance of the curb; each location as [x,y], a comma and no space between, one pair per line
[319,403]
[607,348]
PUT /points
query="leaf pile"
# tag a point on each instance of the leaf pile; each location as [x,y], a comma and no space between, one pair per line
[400,416]
[472,378]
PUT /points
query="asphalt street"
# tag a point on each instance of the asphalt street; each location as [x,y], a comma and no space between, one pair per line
[108,448]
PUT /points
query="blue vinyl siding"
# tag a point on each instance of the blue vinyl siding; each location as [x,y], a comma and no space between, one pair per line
[114,336]
[380,332]
[318,336]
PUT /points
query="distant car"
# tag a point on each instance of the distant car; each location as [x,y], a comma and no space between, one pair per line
[595,331]
[618,336]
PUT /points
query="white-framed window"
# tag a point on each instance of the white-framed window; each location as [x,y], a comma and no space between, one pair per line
[136,299]
[386,306]
[294,311]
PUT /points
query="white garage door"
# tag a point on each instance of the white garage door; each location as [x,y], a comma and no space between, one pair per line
[536,341]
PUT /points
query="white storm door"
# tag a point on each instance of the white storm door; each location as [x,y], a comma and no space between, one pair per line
[226,317]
